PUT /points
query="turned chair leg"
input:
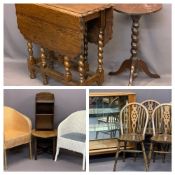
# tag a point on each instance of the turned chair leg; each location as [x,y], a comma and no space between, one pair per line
[116,156]
[125,143]
[150,154]
[144,156]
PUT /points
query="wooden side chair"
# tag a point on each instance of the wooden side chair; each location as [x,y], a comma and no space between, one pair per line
[17,131]
[161,121]
[133,123]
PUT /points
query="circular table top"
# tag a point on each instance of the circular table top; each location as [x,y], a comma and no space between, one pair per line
[44,134]
[137,9]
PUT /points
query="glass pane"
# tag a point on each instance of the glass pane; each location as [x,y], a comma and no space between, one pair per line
[104,116]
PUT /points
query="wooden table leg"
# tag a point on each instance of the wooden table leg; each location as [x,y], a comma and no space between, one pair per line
[43,66]
[134,63]
[67,67]
[86,52]
[31,61]
[100,69]
[82,69]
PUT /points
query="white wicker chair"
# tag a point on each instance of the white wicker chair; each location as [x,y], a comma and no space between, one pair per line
[72,134]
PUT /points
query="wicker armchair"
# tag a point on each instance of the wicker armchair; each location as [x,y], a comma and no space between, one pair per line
[17,130]
[72,134]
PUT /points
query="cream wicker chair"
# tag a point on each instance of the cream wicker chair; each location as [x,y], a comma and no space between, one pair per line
[72,134]
[17,130]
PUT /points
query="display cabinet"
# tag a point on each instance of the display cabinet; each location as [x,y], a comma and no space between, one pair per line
[104,124]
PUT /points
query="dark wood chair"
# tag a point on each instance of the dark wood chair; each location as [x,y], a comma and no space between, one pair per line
[133,121]
[44,124]
[161,121]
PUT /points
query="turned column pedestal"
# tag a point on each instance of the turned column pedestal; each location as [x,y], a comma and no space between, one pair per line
[135,63]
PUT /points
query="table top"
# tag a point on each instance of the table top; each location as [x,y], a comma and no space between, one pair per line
[78,10]
[51,25]
[137,9]
[44,134]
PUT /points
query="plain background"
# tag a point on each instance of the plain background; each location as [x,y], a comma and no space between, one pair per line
[155,49]
[23,100]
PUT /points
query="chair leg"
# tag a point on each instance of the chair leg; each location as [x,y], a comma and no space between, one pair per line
[135,154]
[57,152]
[125,143]
[150,154]
[145,158]
[153,152]
[116,156]
[30,150]
[5,159]
[84,160]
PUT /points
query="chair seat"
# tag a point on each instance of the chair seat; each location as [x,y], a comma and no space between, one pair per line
[161,138]
[131,137]
[14,138]
[75,136]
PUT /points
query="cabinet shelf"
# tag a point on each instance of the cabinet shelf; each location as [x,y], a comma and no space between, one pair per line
[44,111]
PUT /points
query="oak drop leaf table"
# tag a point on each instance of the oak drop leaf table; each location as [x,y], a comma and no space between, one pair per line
[63,32]
[134,63]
